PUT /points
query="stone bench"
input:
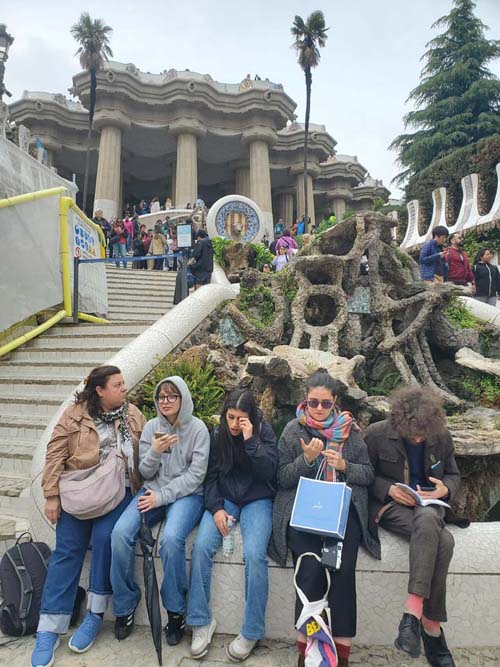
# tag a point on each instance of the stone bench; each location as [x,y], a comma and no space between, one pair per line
[473,589]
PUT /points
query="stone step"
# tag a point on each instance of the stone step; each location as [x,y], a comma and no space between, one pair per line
[95,330]
[59,366]
[148,281]
[134,298]
[148,318]
[11,448]
[24,407]
[13,485]
[67,354]
[45,374]
[16,467]
[69,343]
[11,528]
[17,506]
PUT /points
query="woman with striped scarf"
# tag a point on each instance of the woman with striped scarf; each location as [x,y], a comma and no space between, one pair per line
[321,431]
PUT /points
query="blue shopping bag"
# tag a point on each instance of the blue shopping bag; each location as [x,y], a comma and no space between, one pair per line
[321,507]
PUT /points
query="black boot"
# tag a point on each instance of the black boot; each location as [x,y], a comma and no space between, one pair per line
[436,650]
[408,639]
[174,630]
[301,660]
[124,626]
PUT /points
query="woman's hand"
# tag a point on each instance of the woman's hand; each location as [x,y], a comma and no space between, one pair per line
[441,491]
[53,509]
[220,520]
[164,444]
[246,428]
[335,460]
[147,501]
[312,450]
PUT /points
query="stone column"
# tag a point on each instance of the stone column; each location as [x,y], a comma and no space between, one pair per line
[186,181]
[107,187]
[187,131]
[171,193]
[286,209]
[242,178]
[300,196]
[259,139]
[338,206]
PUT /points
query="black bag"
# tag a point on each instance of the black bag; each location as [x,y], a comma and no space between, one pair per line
[23,569]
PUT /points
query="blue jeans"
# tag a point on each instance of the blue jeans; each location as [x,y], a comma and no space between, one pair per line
[72,540]
[182,516]
[119,250]
[256,521]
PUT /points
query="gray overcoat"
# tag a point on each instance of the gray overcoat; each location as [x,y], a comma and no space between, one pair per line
[292,466]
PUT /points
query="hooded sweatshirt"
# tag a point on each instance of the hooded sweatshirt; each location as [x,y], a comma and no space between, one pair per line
[181,471]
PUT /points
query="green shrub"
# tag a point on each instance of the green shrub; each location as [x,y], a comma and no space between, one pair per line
[262,255]
[220,244]
[473,241]
[206,391]
[258,305]
[386,385]
[327,223]
[484,390]
[461,316]
[288,283]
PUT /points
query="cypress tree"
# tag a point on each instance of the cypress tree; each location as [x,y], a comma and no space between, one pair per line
[458,98]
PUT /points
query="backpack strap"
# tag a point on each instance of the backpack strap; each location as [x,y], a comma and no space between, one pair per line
[45,561]
[16,558]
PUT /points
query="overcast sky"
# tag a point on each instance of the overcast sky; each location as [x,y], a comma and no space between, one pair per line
[370,63]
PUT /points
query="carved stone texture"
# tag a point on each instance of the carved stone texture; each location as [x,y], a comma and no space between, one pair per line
[24,136]
[470,359]
[238,258]
[4,118]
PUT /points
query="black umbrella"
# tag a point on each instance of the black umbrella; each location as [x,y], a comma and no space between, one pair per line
[147,542]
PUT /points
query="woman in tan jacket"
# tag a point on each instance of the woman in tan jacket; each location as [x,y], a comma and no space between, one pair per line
[85,435]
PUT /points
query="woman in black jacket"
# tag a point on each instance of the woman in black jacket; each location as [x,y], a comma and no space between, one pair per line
[239,486]
[486,277]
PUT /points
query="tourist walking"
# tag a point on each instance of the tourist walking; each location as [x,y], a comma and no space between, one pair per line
[320,431]
[281,260]
[239,487]
[459,271]
[86,434]
[431,262]
[158,246]
[174,450]
[487,277]
[287,242]
[414,447]
[118,242]
[128,223]
[202,261]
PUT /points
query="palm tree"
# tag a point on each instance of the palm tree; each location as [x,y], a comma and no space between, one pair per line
[309,36]
[94,49]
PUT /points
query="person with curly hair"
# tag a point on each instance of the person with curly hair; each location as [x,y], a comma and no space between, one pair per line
[414,447]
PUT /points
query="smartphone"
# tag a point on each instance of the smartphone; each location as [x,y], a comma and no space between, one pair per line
[159,434]
[427,488]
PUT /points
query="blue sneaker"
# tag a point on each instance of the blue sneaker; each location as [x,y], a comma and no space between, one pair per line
[45,646]
[86,634]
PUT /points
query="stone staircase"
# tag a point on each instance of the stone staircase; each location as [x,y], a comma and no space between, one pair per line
[38,376]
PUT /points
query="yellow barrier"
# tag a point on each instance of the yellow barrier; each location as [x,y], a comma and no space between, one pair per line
[65,204]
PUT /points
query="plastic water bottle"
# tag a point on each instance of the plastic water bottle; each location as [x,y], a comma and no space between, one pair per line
[228,540]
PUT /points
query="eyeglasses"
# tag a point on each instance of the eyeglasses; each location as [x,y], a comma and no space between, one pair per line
[169,398]
[314,403]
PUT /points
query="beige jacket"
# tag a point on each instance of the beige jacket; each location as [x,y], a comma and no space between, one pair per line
[74,445]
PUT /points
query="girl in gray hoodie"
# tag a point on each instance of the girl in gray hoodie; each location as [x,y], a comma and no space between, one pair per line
[174,450]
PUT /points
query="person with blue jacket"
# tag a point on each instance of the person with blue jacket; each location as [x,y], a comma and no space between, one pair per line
[173,458]
[433,268]
[240,486]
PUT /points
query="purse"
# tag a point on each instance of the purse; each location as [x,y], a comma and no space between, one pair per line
[93,492]
[321,507]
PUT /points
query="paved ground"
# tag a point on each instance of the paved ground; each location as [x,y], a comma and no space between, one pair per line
[138,651]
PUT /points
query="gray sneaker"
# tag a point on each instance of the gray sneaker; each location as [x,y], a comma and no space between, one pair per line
[240,648]
[202,636]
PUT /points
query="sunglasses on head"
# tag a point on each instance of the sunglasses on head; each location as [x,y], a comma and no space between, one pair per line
[314,403]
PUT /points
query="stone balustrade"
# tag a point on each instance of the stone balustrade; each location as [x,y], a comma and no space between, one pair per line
[469,217]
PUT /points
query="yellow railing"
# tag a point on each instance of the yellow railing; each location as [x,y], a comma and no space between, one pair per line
[65,204]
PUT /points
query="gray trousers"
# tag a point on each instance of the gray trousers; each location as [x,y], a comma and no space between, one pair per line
[431,550]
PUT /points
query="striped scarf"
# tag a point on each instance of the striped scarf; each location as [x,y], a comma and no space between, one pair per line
[335,430]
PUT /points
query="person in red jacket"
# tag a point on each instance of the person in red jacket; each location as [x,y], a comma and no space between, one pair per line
[459,271]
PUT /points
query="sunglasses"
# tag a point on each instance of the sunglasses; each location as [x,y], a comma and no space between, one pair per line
[314,403]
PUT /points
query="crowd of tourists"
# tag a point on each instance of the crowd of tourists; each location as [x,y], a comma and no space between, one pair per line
[442,259]
[178,472]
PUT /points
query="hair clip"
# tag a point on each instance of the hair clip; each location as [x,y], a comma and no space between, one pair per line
[85,381]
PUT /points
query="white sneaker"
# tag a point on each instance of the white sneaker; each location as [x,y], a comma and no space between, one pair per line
[240,648]
[202,636]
